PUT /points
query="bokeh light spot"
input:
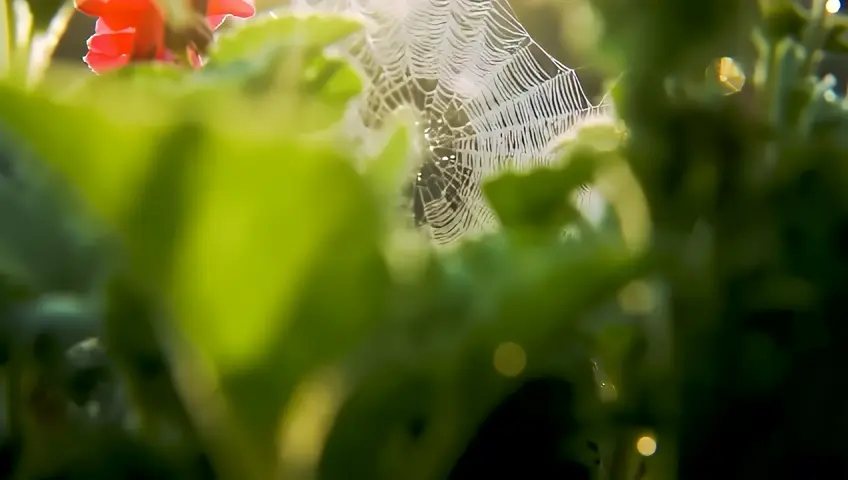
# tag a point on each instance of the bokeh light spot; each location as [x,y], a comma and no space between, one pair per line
[510,359]
[833,6]
[637,298]
[729,75]
[646,446]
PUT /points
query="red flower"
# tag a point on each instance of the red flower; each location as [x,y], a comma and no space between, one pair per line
[128,30]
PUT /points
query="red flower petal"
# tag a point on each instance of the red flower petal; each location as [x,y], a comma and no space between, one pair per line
[149,34]
[101,62]
[135,30]
[215,21]
[115,44]
[118,14]
[236,8]
[101,27]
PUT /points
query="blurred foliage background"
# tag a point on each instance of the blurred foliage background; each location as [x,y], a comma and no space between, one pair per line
[195,285]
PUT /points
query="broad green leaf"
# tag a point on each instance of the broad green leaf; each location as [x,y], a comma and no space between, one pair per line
[154,223]
[44,240]
[262,259]
[102,152]
[267,221]
[263,244]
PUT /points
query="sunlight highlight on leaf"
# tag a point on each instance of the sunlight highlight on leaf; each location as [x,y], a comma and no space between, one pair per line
[307,422]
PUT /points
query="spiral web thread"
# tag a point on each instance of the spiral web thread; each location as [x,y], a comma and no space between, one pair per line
[489,98]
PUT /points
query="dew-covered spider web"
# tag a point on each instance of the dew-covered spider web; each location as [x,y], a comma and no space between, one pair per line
[488,97]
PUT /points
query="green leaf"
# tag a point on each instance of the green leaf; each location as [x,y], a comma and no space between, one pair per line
[540,199]
[284,57]
[103,153]
[332,81]
[265,245]
[261,36]
[95,145]
[44,240]
[304,232]
[389,172]
[144,74]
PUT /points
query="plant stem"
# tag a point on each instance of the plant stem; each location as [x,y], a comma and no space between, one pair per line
[22,39]
[45,44]
[5,38]
[814,36]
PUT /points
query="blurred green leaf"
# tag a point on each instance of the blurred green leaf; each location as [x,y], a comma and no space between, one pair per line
[333,81]
[45,241]
[303,228]
[103,152]
[284,57]
[263,35]
[389,171]
[291,215]
[541,198]
[162,76]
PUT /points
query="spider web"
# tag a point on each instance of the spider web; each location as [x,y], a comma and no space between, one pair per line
[489,98]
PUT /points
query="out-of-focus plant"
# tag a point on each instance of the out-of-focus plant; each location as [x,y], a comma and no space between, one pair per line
[199,282]
[747,196]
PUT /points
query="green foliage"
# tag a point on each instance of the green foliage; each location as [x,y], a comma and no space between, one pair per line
[536,199]
[200,253]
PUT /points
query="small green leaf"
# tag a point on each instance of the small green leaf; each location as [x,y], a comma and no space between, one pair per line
[392,168]
[541,198]
[332,81]
[261,36]
[285,56]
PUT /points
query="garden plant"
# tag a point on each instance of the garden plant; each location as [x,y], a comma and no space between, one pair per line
[203,275]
